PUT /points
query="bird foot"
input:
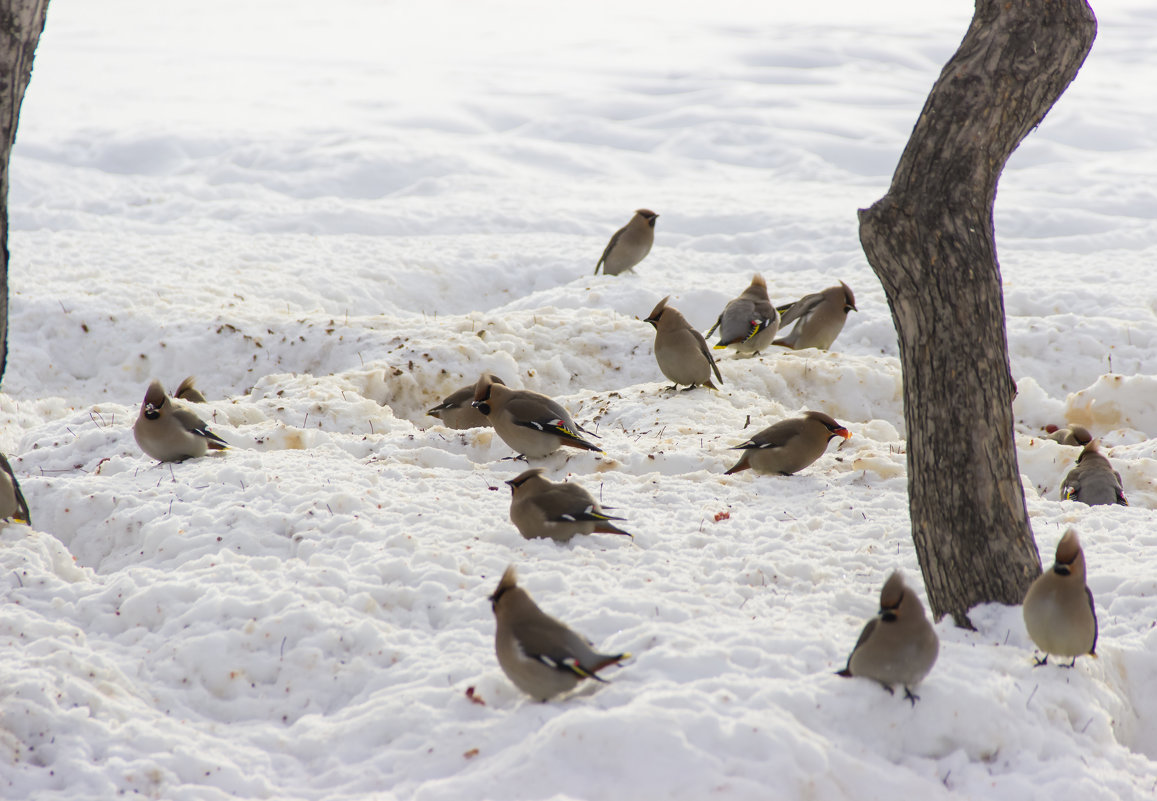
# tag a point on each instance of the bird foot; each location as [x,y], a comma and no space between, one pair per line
[518,458]
[1037,661]
[911,696]
[1072,664]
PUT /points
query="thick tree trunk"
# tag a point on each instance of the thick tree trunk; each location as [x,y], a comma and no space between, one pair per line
[930,240]
[21,23]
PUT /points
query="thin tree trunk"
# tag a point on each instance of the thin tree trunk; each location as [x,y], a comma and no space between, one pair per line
[931,241]
[21,23]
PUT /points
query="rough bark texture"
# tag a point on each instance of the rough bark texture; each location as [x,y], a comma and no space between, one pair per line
[931,241]
[21,23]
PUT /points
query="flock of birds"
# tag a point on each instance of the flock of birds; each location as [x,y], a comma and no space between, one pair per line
[541,655]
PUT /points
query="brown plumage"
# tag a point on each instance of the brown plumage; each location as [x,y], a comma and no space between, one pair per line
[541,655]
[541,508]
[171,433]
[1058,608]
[1074,435]
[818,318]
[529,422]
[1093,480]
[630,244]
[186,391]
[749,322]
[457,410]
[789,445]
[12,503]
[680,350]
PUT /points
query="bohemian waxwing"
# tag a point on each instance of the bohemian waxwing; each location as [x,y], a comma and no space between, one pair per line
[458,411]
[1058,608]
[749,322]
[171,433]
[531,423]
[541,508]
[1093,480]
[789,445]
[1074,435]
[12,503]
[538,653]
[818,318]
[898,645]
[680,350]
[630,244]
[187,392]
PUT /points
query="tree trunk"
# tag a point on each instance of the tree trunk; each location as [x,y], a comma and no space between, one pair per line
[21,23]
[931,242]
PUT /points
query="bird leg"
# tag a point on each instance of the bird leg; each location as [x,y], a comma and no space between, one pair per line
[1037,661]
[519,458]
[911,696]
[1071,664]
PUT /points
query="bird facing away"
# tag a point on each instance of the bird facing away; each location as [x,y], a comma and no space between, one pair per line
[458,411]
[749,322]
[680,350]
[898,645]
[1074,435]
[1093,480]
[12,503]
[630,244]
[789,445]
[542,656]
[187,392]
[541,508]
[529,422]
[171,433]
[818,318]
[1058,608]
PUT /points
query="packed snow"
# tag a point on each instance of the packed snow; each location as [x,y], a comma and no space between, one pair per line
[336,214]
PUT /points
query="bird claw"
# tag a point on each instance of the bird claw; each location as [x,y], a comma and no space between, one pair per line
[1037,661]
[911,696]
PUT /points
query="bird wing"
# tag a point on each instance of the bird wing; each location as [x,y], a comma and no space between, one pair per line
[556,646]
[570,503]
[774,436]
[22,515]
[869,627]
[706,351]
[544,414]
[800,309]
[610,246]
[195,425]
[1092,609]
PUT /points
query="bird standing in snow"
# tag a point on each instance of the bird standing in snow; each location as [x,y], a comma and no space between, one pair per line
[818,318]
[529,422]
[541,508]
[749,322]
[457,410]
[789,445]
[1074,435]
[630,244]
[1058,608]
[1093,480]
[171,433]
[898,645]
[542,656]
[12,503]
[680,350]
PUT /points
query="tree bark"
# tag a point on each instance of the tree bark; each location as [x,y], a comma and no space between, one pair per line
[21,23]
[931,242]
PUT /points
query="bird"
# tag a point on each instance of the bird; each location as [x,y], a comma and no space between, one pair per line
[541,655]
[1058,607]
[749,322]
[630,244]
[12,503]
[1093,480]
[171,433]
[529,422]
[680,350]
[457,410]
[541,508]
[790,445]
[818,318]
[1074,435]
[187,392]
[898,645]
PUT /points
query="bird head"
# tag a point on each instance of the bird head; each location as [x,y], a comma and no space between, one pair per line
[155,399]
[657,312]
[849,298]
[509,582]
[648,215]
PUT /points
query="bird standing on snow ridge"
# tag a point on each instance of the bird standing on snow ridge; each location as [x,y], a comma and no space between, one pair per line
[898,645]
[630,244]
[171,433]
[818,318]
[187,392]
[541,508]
[531,423]
[749,322]
[12,503]
[1058,608]
[680,350]
[789,445]
[1093,480]
[541,655]
[1075,435]
[458,411]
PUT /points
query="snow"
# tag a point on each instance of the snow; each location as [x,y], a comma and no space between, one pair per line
[336,218]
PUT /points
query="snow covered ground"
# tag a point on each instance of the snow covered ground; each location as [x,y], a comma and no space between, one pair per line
[335,214]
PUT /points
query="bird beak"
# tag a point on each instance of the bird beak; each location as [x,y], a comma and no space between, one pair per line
[843,432]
